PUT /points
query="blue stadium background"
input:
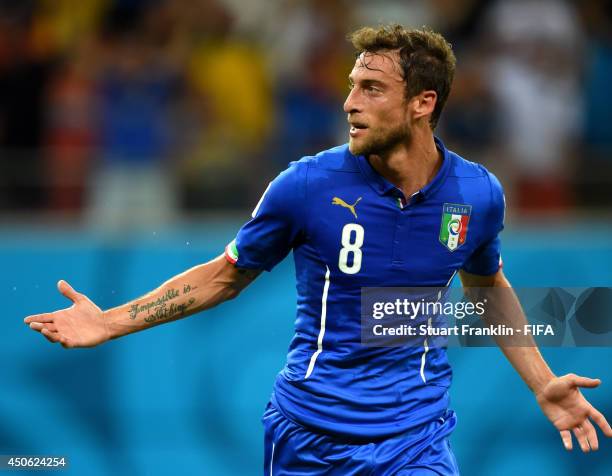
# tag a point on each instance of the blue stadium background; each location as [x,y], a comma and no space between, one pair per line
[186,398]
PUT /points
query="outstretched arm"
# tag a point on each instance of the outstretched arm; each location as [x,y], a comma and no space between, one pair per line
[559,397]
[85,325]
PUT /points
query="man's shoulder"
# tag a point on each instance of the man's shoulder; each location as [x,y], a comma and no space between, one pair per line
[335,159]
[317,170]
[464,168]
[461,168]
[476,178]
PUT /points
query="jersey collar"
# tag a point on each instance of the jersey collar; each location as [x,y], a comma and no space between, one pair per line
[382,186]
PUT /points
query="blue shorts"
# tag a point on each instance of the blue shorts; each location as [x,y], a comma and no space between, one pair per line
[291,449]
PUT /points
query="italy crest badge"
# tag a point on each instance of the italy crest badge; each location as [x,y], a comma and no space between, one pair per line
[454,227]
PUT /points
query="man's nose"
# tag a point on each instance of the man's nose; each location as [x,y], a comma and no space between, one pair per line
[351,105]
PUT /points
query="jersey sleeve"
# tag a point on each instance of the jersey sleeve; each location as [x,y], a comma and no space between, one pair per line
[277,223]
[486,259]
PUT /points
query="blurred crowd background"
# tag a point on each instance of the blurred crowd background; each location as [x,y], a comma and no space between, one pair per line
[117,112]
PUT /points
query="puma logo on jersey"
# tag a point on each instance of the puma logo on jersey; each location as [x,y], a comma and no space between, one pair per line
[342,203]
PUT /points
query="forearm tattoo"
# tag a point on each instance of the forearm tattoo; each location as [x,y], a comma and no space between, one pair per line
[161,308]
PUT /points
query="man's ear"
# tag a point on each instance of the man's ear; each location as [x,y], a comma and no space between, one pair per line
[424,103]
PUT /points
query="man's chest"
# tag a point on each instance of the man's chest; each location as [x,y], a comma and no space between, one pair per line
[369,239]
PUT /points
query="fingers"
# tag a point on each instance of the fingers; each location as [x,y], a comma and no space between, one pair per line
[591,435]
[50,339]
[49,330]
[566,436]
[51,336]
[64,288]
[56,337]
[587,437]
[586,382]
[601,421]
[47,317]
[68,291]
[66,344]
[581,437]
[38,326]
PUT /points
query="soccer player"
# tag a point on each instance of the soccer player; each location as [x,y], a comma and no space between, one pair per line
[367,213]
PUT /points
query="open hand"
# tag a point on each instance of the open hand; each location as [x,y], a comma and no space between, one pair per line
[564,405]
[80,325]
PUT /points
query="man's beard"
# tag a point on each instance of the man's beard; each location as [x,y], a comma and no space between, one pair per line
[382,143]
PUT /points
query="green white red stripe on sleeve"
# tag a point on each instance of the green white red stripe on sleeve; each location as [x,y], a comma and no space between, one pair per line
[231,252]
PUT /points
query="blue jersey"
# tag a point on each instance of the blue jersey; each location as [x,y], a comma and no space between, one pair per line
[350,228]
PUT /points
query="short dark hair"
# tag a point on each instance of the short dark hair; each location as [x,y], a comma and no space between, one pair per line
[426,58]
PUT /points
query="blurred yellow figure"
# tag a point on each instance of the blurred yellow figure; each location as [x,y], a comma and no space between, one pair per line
[232,76]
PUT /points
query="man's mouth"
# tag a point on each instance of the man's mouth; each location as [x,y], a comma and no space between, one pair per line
[356,127]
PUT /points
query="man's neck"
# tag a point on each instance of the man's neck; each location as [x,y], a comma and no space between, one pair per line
[410,166]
